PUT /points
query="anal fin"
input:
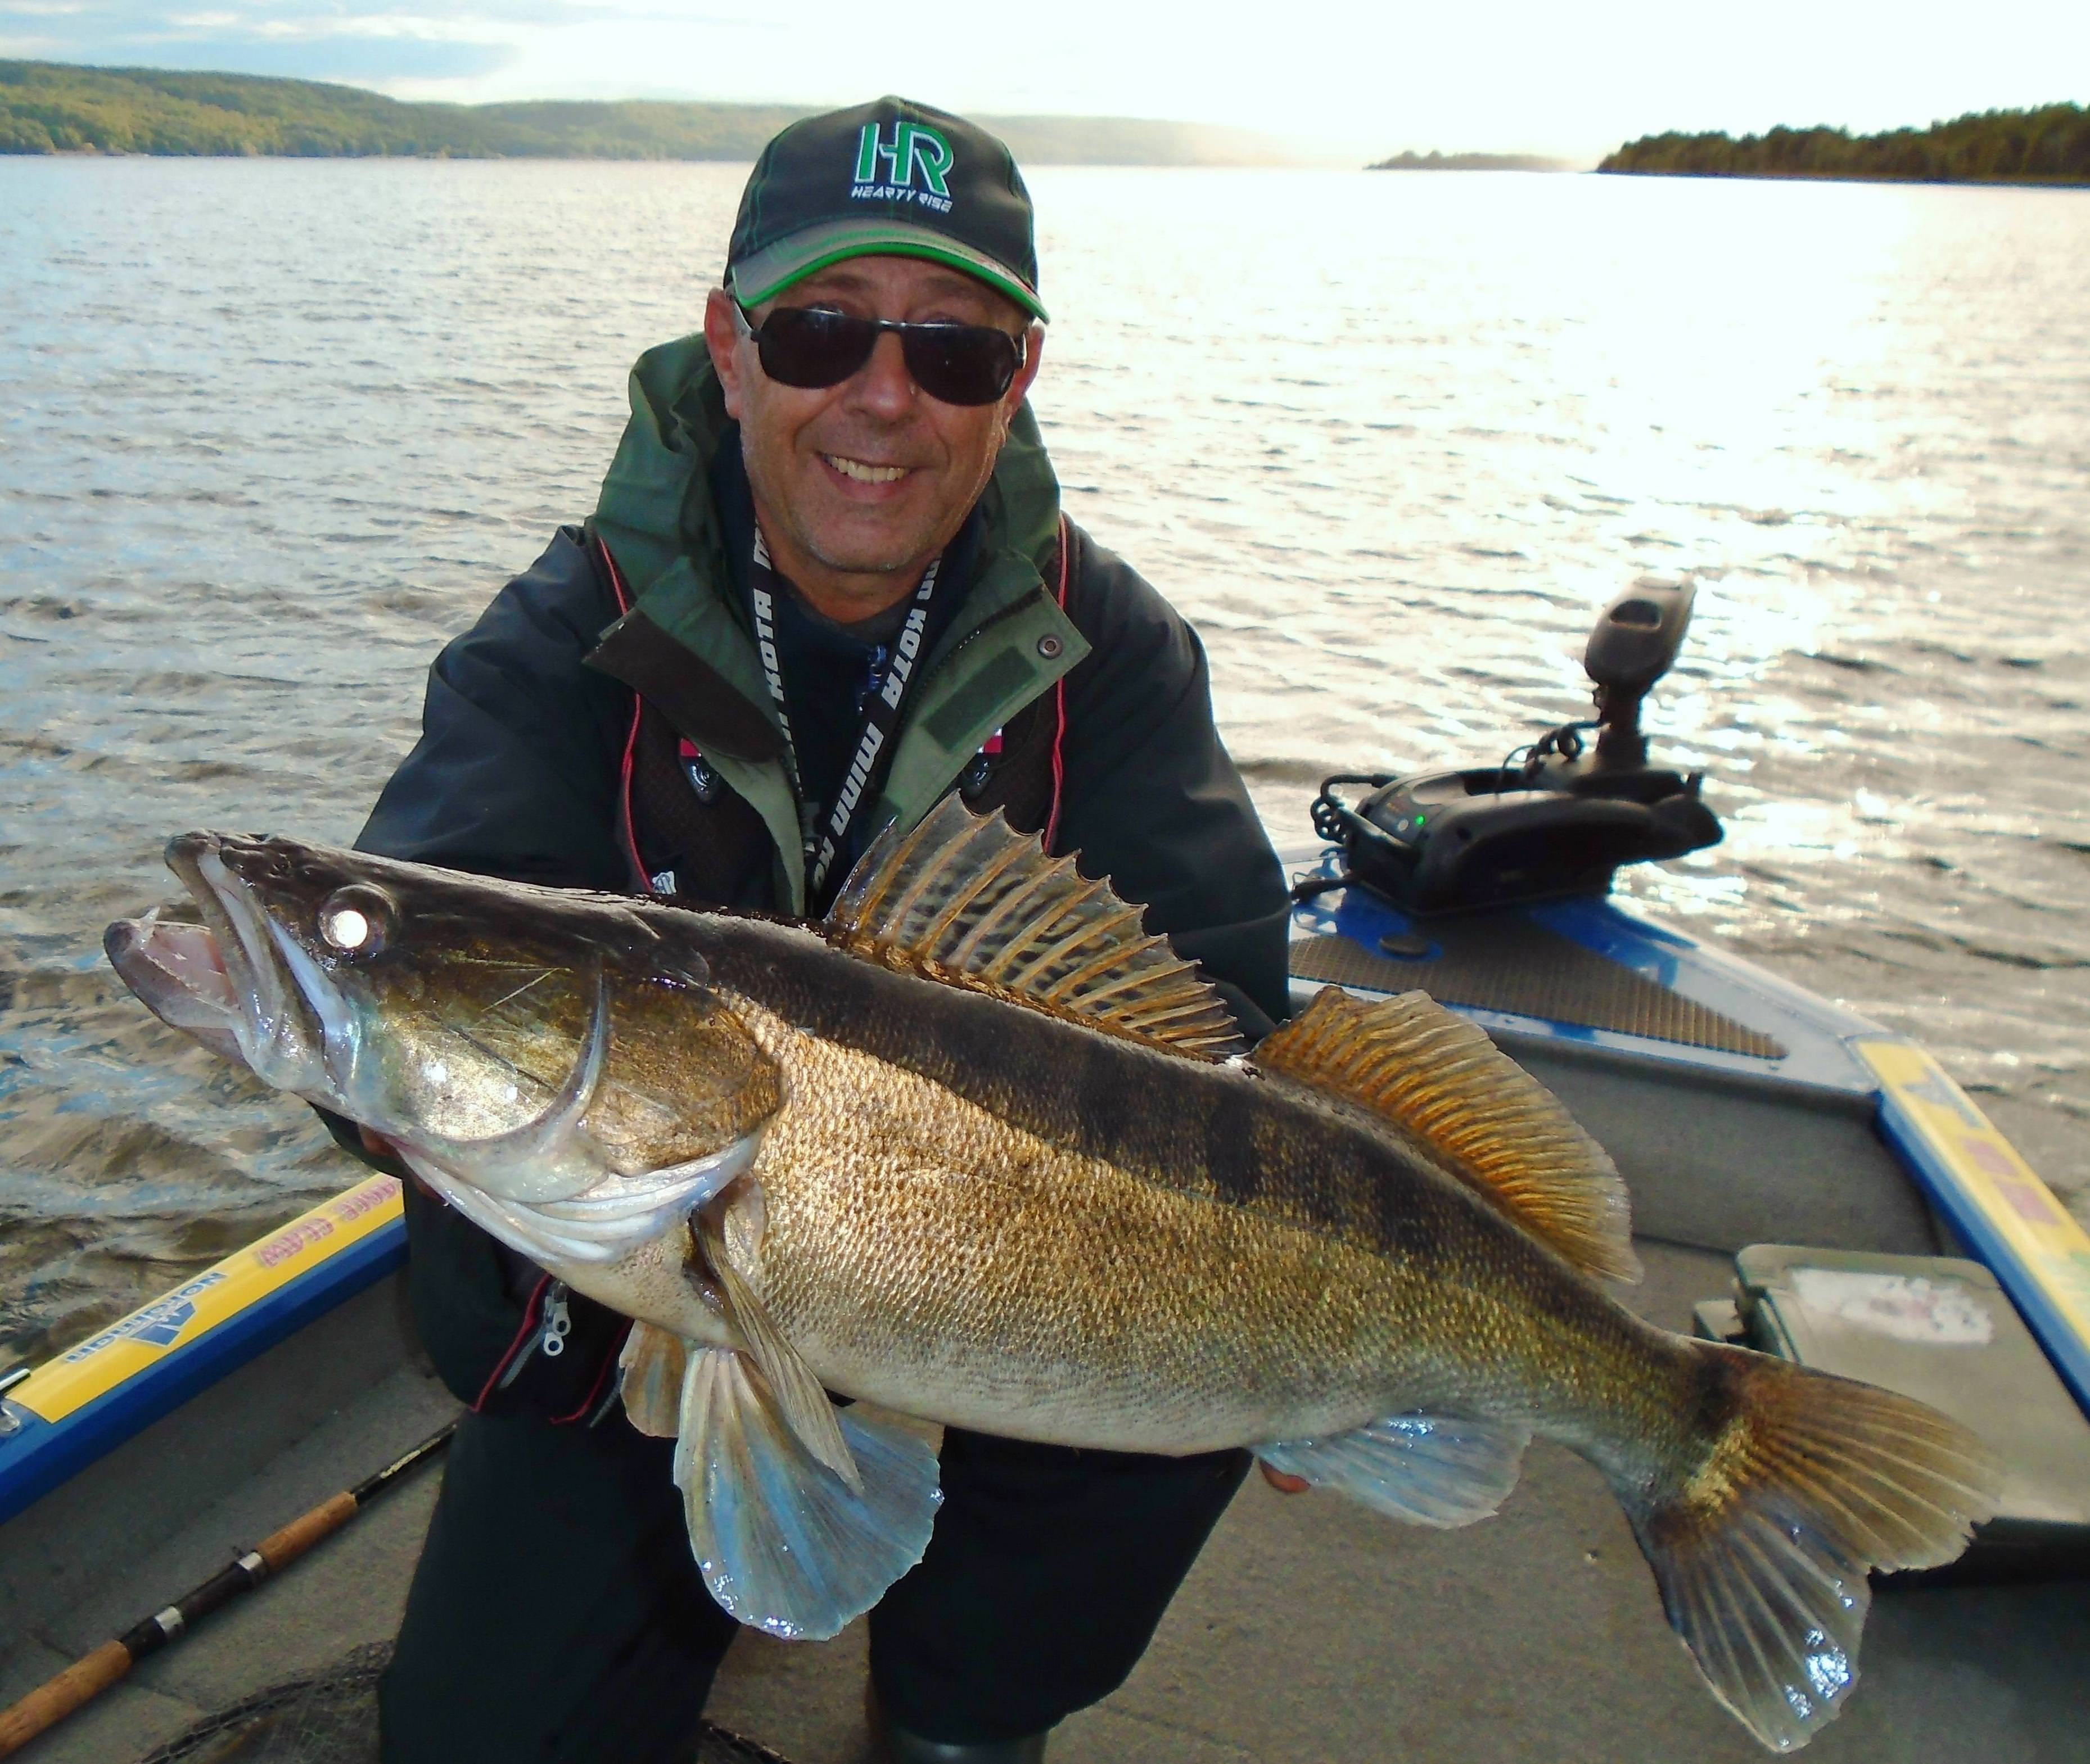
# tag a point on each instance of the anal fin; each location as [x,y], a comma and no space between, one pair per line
[783,1544]
[1437,1077]
[1440,1471]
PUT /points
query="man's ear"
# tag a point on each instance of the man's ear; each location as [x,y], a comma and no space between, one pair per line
[722,338]
[1033,350]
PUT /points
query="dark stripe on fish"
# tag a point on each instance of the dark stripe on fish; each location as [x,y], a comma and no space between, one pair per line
[1174,1122]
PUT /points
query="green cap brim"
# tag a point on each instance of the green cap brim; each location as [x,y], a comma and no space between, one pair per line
[768,272]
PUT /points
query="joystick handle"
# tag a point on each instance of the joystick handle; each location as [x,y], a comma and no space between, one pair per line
[1635,643]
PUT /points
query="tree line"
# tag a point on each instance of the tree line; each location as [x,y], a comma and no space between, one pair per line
[2049,145]
[1434,161]
[50,107]
[47,108]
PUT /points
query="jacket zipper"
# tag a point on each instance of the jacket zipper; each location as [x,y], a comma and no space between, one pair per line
[546,1332]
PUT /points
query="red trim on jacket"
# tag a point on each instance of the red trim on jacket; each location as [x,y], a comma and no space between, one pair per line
[631,739]
[593,1399]
[529,1322]
[1059,711]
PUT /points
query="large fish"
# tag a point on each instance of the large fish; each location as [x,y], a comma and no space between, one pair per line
[979,1151]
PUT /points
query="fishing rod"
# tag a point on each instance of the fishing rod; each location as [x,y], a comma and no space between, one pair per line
[86,1679]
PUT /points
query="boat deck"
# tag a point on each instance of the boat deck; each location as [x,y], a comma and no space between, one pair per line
[1310,1630]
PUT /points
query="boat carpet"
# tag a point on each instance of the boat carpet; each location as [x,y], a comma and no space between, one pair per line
[331,1718]
[1505,962]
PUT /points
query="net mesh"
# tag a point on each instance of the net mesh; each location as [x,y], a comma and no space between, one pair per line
[331,1718]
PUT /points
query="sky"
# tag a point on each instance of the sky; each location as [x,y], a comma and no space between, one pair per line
[1374,76]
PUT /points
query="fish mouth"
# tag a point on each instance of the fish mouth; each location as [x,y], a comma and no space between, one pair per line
[234,974]
[232,977]
[173,965]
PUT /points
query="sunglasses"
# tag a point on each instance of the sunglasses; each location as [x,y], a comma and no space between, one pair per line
[812,348]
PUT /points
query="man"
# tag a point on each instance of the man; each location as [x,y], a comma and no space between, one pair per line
[827,582]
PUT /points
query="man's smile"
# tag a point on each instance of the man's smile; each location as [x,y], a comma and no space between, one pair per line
[865,471]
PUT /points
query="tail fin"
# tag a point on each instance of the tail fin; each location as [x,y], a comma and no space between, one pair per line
[1761,1547]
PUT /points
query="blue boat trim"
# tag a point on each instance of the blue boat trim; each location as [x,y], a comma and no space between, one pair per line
[2067,1350]
[40,1455]
[1816,1032]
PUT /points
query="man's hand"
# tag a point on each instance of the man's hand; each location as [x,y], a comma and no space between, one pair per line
[378,1146]
[1282,1481]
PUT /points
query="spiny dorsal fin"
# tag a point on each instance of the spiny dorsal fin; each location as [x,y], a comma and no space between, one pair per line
[1500,1129]
[965,899]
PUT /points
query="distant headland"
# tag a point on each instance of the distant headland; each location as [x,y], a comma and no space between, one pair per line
[1435,161]
[53,107]
[2047,146]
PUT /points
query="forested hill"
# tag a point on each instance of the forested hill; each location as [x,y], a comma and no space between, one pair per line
[50,107]
[1434,161]
[2046,146]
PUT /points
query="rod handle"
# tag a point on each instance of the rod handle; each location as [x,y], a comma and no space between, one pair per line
[54,1699]
[279,1549]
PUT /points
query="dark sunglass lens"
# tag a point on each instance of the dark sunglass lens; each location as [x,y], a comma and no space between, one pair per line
[806,347]
[811,348]
[962,364]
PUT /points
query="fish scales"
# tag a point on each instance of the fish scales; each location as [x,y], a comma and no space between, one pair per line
[951,1218]
[1248,1140]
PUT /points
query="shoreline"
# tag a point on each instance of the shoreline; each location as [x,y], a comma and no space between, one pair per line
[2059,181]
[2049,145]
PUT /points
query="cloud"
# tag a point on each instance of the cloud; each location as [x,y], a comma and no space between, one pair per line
[349,60]
[449,47]
[438,40]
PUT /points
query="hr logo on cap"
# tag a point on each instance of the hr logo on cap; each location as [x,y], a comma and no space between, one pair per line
[915,147]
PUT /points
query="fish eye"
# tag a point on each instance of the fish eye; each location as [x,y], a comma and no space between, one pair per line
[356,919]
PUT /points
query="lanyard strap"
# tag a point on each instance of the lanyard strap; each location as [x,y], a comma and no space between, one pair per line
[827,838]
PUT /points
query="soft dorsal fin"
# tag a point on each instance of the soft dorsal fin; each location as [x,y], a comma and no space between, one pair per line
[965,899]
[1500,1129]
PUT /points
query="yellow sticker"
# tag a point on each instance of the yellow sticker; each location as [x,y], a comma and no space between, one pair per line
[103,1361]
[1995,1180]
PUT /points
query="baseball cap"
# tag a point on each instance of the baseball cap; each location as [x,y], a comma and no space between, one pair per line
[890,178]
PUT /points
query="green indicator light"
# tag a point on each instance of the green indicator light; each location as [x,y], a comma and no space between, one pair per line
[1421,818]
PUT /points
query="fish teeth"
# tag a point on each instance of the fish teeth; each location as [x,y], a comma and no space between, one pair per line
[863,472]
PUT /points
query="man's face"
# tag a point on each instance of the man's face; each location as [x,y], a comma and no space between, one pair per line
[860,484]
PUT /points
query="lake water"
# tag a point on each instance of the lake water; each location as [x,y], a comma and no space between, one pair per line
[270,431]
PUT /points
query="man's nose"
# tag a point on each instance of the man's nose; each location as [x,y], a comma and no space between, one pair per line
[883,385]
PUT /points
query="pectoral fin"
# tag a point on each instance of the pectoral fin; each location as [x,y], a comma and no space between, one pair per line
[1441,1471]
[783,1544]
[799,1396]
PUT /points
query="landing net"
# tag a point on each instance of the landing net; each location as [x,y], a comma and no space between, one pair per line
[331,1718]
